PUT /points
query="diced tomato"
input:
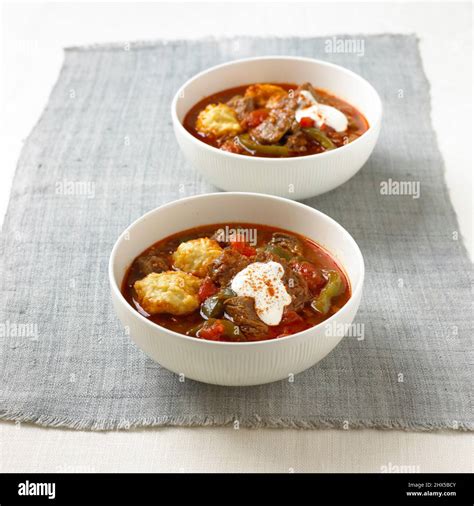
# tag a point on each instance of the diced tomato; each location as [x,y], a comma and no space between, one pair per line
[244,249]
[288,330]
[311,274]
[238,243]
[290,317]
[231,147]
[254,118]
[291,323]
[212,332]
[207,289]
[306,122]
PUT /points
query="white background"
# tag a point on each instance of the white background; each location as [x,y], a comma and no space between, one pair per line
[33,36]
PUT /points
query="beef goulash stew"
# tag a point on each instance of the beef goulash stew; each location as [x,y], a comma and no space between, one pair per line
[236,282]
[275,120]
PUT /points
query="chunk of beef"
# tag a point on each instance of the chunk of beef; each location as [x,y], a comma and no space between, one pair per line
[298,289]
[295,127]
[288,242]
[297,142]
[145,265]
[306,87]
[303,101]
[226,266]
[288,102]
[242,311]
[241,105]
[267,256]
[295,284]
[280,120]
[274,127]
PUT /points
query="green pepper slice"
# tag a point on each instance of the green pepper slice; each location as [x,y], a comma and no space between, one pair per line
[317,135]
[194,330]
[231,330]
[263,149]
[333,288]
[279,251]
[212,307]
[225,293]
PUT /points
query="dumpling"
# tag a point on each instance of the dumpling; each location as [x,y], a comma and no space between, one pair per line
[261,93]
[196,255]
[170,292]
[218,120]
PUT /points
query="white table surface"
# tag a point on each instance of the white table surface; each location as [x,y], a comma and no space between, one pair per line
[32,38]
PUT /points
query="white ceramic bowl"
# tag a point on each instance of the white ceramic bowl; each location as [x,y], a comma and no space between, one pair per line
[225,363]
[297,177]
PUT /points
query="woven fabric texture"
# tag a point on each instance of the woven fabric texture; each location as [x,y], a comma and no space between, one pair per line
[103,153]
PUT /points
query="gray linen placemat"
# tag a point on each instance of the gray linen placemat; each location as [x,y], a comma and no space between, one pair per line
[104,152]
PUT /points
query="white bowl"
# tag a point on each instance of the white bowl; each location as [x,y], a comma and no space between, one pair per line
[225,363]
[296,177]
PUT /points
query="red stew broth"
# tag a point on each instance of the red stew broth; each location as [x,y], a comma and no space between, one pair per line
[313,253]
[358,122]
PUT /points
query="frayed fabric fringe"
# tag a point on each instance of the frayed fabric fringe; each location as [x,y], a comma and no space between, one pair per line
[153,43]
[249,422]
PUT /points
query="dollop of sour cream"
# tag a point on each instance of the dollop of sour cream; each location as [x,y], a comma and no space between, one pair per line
[321,114]
[263,282]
